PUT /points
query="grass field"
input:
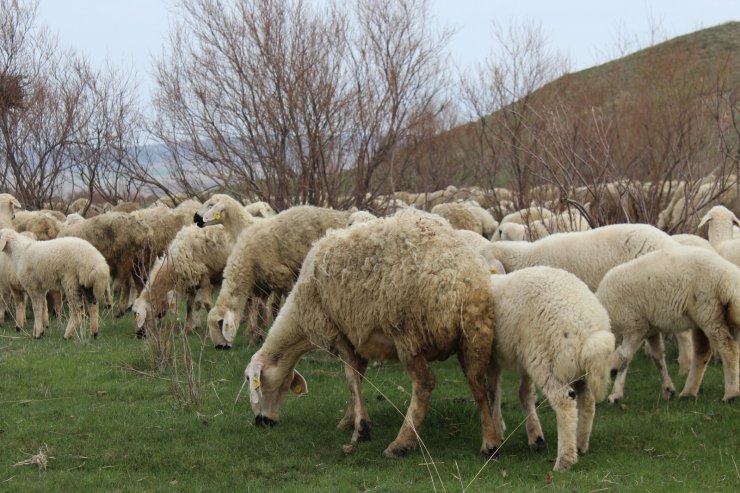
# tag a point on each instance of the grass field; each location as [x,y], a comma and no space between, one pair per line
[106,421]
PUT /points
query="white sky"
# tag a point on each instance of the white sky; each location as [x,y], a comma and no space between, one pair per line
[129,33]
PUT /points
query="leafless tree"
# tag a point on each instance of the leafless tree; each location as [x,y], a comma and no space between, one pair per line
[291,102]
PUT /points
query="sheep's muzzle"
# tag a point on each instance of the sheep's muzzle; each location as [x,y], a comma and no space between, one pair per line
[198,220]
[264,421]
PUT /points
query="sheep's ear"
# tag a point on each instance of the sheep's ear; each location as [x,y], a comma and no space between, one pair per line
[254,376]
[298,385]
[16,204]
[735,220]
[707,217]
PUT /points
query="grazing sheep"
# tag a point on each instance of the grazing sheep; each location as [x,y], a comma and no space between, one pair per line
[552,330]
[684,288]
[70,265]
[587,254]
[194,263]
[402,288]
[267,259]
[125,242]
[222,209]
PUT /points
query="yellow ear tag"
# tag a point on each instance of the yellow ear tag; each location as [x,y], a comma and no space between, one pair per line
[493,270]
[297,389]
[172,306]
[256,383]
[137,317]
[217,216]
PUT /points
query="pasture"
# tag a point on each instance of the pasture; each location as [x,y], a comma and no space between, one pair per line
[98,415]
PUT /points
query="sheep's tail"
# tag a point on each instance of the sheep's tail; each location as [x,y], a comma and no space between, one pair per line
[732,302]
[97,283]
[595,361]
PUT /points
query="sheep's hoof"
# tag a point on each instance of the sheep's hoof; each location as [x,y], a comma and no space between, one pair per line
[538,445]
[141,334]
[729,400]
[686,396]
[95,335]
[613,373]
[669,393]
[489,453]
[222,347]
[396,451]
[613,400]
[363,435]
[38,336]
[17,329]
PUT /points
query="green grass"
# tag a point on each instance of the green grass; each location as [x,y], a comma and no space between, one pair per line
[109,427]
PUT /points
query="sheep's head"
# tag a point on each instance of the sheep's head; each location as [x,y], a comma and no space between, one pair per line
[213,211]
[223,324]
[8,205]
[141,309]
[268,382]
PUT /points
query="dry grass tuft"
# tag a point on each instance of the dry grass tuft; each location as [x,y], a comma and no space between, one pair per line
[41,459]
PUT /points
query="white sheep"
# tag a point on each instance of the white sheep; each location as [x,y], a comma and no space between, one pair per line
[551,329]
[401,288]
[267,259]
[721,221]
[193,264]
[259,209]
[522,216]
[587,254]
[225,210]
[684,288]
[70,265]
[42,224]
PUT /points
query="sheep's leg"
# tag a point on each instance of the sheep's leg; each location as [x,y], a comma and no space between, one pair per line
[38,301]
[74,300]
[586,411]
[721,338]
[527,397]
[493,385]
[422,384]
[476,362]
[94,314]
[356,415]
[619,362]
[20,309]
[685,351]
[656,350]
[190,321]
[124,288]
[702,354]
[562,398]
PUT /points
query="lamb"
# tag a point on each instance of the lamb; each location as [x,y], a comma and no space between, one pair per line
[222,209]
[9,285]
[721,221]
[194,262]
[70,265]
[675,290]
[266,259]
[124,241]
[400,288]
[552,330]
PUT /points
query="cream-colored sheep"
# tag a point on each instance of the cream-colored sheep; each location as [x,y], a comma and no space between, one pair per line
[587,254]
[459,216]
[165,223]
[397,288]
[683,288]
[523,216]
[259,209]
[8,207]
[551,329]
[70,265]
[225,210]
[267,259]
[721,221]
[9,286]
[41,224]
[193,265]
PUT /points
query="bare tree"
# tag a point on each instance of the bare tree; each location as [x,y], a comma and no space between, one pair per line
[294,103]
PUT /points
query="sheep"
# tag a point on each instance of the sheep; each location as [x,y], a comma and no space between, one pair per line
[360,217]
[259,209]
[513,232]
[459,216]
[223,209]
[123,206]
[587,254]
[70,265]
[721,221]
[551,329]
[9,285]
[194,262]
[265,259]
[8,206]
[41,224]
[403,288]
[523,216]
[166,222]
[125,242]
[675,290]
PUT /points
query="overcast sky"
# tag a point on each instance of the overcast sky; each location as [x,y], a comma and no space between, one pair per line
[130,32]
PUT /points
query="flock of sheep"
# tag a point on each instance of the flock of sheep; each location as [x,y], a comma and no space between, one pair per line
[412,286]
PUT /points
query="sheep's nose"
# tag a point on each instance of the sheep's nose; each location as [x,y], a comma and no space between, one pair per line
[198,219]
[264,421]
